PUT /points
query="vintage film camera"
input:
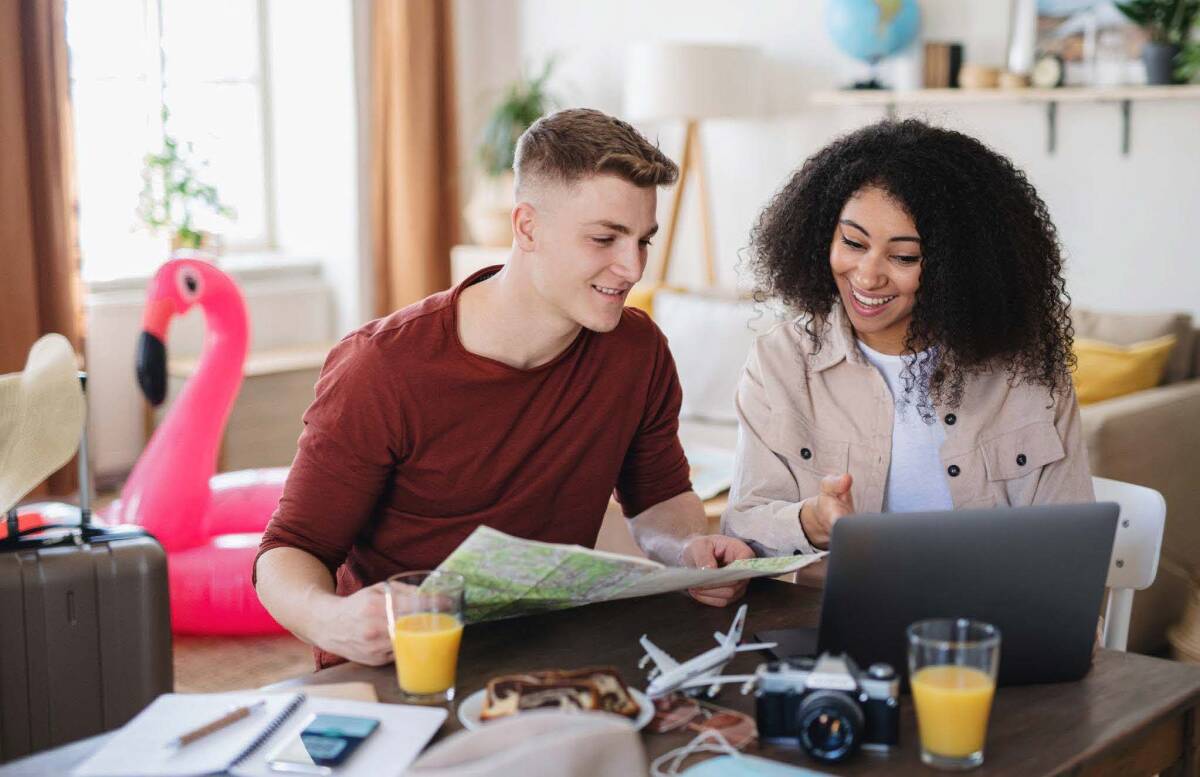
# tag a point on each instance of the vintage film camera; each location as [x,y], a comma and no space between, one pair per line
[828,706]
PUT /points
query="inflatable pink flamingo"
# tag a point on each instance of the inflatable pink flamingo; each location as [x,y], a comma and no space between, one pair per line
[210,526]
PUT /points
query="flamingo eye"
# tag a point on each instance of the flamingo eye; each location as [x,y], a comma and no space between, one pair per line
[189,284]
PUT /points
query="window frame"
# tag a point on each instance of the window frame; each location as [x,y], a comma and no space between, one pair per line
[265,248]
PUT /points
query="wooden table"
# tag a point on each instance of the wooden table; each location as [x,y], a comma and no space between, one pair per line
[1132,715]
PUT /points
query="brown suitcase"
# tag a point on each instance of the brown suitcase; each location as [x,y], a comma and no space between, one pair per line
[85,629]
[86,637]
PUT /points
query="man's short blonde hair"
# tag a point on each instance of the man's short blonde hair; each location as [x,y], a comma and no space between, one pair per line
[569,145]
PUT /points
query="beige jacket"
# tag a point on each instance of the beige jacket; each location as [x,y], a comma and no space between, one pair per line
[803,415]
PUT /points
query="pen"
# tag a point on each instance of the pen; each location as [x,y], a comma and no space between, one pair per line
[233,716]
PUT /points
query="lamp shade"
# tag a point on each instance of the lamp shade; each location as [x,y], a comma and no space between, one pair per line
[691,81]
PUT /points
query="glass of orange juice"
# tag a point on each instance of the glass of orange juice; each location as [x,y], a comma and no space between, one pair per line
[424,611]
[952,667]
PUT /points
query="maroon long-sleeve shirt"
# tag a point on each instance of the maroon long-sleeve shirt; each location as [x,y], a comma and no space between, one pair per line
[412,442]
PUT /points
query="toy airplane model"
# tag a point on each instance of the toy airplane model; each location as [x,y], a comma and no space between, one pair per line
[669,675]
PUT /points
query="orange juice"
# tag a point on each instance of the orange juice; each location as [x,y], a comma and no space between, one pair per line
[426,645]
[952,704]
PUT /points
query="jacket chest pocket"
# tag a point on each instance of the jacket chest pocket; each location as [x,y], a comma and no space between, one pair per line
[806,451]
[1022,451]
[1013,461]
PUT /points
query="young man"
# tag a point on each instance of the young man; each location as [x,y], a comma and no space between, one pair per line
[518,400]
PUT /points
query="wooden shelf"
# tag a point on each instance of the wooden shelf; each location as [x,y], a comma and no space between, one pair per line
[1066,94]
[1123,96]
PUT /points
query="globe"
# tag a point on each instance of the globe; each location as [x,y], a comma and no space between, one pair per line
[873,29]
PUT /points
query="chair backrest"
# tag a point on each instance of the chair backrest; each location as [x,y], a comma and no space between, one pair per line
[1138,540]
[1136,548]
[710,334]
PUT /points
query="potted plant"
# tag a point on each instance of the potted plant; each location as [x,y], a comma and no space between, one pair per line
[173,196]
[1188,62]
[1169,24]
[489,212]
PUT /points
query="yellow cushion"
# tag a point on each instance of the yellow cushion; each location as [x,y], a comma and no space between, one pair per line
[1106,370]
[642,297]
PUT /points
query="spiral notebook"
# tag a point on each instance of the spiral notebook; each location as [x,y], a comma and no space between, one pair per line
[140,749]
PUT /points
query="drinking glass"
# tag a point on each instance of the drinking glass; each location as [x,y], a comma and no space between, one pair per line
[424,611]
[952,667]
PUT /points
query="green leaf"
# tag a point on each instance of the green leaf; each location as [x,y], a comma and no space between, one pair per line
[172,190]
[523,103]
[1167,21]
[1187,64]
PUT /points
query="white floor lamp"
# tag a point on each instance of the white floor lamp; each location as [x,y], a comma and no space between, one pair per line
[691,82]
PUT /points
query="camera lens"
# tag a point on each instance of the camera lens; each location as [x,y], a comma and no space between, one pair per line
[830,725]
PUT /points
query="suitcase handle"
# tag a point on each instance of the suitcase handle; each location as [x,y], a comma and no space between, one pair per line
[43,527]
[85,473]
[76,535]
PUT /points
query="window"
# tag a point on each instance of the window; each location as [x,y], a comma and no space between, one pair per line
[203,60]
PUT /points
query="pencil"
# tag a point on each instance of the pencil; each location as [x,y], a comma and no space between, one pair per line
[233,716]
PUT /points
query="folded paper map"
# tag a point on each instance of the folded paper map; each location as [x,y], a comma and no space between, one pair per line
[507,576]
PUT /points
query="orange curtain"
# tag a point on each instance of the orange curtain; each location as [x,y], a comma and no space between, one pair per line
[413,157]
[39,285]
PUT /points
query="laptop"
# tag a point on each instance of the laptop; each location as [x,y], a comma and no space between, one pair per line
[1037,573]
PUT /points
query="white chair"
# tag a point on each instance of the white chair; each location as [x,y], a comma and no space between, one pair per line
[1136,547]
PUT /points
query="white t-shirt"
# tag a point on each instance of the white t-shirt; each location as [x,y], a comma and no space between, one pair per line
[916,480]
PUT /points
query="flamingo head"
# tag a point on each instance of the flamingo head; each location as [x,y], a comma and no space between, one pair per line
[178,284]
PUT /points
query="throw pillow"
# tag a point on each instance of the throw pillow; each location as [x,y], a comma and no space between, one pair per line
[1105,370]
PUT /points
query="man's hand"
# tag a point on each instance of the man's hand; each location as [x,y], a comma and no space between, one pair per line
[711,551]
[355,626]
[818,516]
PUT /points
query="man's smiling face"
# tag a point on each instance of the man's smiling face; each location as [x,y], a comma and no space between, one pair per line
[592,238]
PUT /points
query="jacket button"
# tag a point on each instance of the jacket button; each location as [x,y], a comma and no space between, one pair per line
[950,419]
[953,470]
[1021,459]
[805,453]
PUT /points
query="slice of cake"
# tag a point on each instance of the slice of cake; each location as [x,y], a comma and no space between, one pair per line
[511,694]
[593,688]
[614,694]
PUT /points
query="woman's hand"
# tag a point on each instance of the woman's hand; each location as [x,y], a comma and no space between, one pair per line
[819,514]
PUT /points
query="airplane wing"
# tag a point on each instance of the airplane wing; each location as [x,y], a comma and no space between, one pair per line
[661,660]
[711,679]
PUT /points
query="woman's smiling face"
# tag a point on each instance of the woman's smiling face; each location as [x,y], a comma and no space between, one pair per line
[875,256]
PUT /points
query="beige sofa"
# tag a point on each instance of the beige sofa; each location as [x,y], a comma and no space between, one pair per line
[1152,438]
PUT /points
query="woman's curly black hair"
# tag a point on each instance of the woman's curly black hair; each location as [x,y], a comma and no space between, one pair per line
[992,293]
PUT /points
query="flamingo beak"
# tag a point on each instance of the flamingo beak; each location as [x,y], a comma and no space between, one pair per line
[152,368]
[152,351]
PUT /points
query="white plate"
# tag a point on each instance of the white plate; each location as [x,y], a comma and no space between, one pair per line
[470,707]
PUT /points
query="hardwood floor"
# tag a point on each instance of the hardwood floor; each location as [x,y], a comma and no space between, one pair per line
[205,664]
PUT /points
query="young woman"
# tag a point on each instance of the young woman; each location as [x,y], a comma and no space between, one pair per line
[928,366]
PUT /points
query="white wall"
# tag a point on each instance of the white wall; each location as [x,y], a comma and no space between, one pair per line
[1127,222]
[487,58]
